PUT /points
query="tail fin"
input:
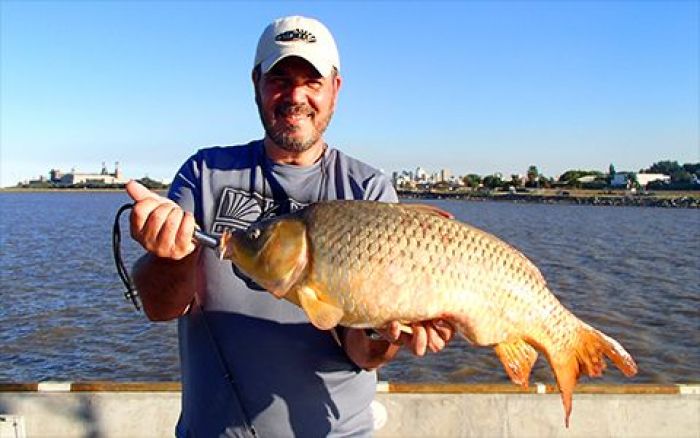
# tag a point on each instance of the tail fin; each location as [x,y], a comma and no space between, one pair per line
[588,357]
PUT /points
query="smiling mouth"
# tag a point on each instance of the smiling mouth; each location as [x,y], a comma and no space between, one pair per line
[296,117]
[294,114]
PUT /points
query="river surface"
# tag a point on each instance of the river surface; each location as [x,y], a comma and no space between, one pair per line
[632,272]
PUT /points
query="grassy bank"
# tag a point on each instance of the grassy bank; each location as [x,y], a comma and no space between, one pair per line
[677,199]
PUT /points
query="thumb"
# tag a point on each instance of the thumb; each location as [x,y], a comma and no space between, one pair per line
[138,192]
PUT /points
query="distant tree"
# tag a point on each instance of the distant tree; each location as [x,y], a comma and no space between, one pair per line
[666,167]
[692,168]
[679,174]
[611,173]
[571,176]
[472,180]
[632,181]
[37,185]
[492,181]
[515,180]
[532,176]
[152,184]
[545,182]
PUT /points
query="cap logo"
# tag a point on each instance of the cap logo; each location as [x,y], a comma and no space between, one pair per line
[296,35]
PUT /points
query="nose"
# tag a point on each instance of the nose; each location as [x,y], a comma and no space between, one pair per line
[296,93]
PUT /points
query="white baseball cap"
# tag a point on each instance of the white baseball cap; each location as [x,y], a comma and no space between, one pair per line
[297,36]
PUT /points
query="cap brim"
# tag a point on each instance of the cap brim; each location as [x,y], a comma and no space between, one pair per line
[322,65]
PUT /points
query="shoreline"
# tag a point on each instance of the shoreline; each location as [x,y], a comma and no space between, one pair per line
[689,200]
[70,190]
[59,190]
[674,200]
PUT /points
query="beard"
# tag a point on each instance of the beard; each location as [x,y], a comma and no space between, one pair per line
[284,135]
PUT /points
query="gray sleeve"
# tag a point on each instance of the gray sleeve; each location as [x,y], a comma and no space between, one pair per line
[379,188]
[185,189]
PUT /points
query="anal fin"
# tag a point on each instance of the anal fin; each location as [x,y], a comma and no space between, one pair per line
[517,358]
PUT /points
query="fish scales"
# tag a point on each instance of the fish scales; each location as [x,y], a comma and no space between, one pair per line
[431,259]
[365,264]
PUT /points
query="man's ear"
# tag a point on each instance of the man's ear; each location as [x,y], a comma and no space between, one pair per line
[255,76]
[338,81]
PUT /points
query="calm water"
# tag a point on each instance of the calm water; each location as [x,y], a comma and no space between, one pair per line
[632,272]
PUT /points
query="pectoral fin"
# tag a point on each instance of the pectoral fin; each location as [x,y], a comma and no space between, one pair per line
[322,315]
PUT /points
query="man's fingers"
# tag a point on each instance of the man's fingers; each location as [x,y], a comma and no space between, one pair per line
[419,341]
[154,227]
[183,239]
[435,340]
[430,335]
[168,232]
[156,223]
[139,215]
[444,329]
[138,192]
[391,332]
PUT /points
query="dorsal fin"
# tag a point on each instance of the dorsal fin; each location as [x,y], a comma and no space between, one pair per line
[429,209]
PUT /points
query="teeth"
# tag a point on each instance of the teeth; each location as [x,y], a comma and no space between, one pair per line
[296,117]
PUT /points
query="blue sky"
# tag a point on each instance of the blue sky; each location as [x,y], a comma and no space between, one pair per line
[475,87]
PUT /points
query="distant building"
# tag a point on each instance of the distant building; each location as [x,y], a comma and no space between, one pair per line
[645,178]
[74,178]
[621,179]
[421,174]
[587,179]
[403,179]
[445,174]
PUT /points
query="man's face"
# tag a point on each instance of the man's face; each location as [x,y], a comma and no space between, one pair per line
[295,103]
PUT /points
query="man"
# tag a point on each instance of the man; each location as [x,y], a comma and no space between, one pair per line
[251,363]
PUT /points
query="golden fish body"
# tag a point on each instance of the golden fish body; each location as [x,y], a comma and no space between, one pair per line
[364,264]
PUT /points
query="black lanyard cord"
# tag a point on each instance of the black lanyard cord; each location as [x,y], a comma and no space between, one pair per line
[243,414]
[131,293]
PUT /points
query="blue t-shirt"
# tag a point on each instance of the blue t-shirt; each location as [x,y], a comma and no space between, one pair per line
[291,379]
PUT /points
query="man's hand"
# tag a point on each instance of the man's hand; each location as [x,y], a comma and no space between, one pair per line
[160,225]
[368,353]
[430,335]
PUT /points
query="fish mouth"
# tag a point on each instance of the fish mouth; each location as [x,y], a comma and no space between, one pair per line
[225,249]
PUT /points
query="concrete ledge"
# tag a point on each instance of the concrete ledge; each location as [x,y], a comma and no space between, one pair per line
[389,387]
[533,415]
[94,414]
[134,409]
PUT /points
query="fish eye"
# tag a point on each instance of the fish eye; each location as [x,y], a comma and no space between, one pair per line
[253,233]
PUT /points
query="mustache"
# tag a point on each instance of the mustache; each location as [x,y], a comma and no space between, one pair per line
[290,109]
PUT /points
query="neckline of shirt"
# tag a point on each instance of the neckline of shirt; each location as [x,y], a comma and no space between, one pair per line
[281,168]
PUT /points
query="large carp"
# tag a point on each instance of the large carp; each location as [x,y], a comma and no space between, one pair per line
[364,264]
